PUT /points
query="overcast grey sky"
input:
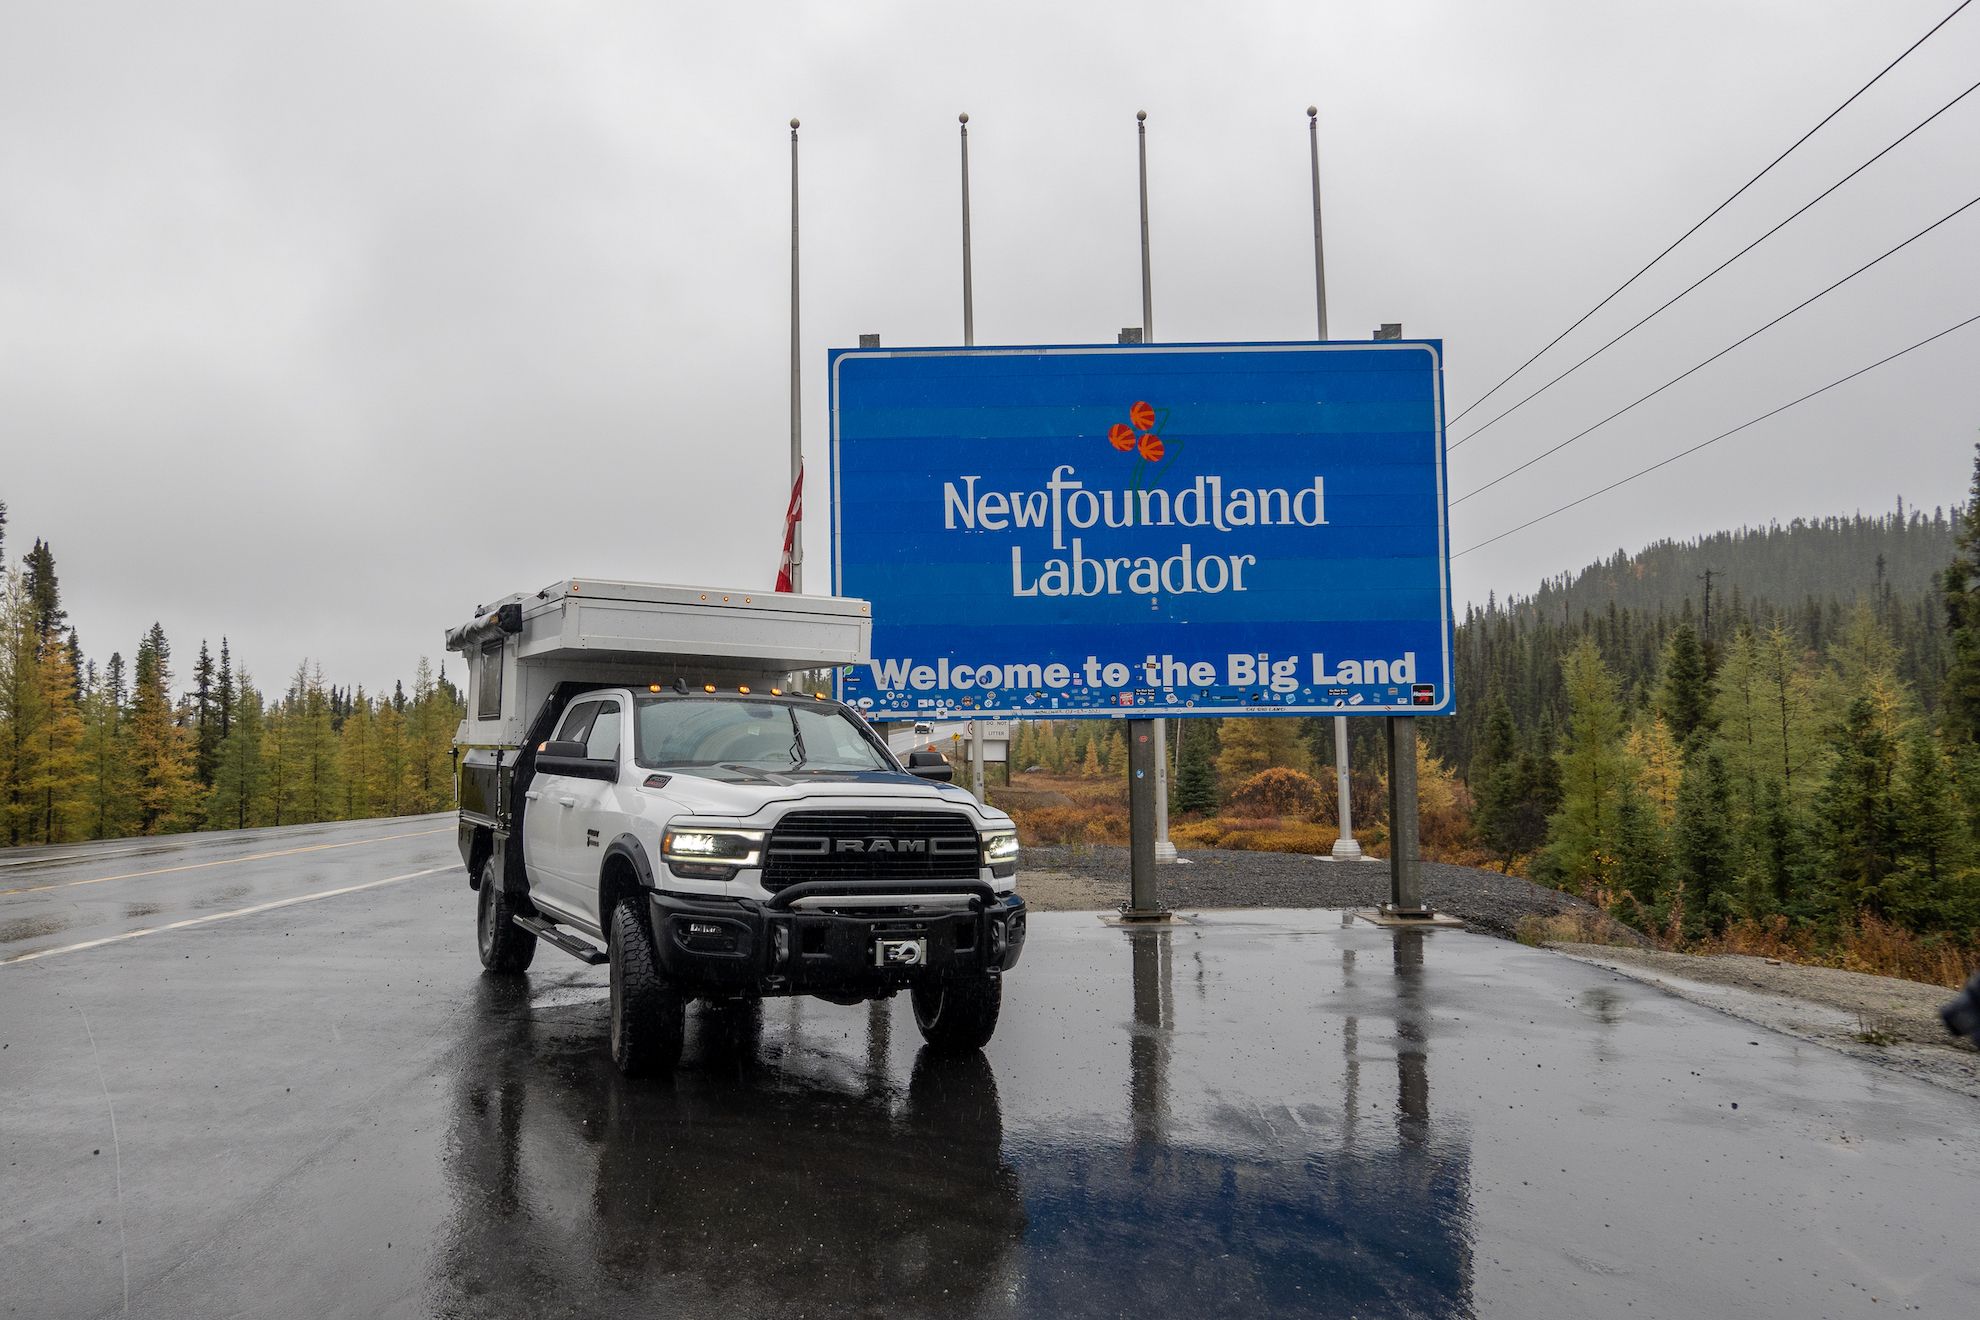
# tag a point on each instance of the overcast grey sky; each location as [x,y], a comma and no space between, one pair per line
[320,324]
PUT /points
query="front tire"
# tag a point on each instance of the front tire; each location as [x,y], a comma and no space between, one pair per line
[960,1015]
[649,1016]
[506,948]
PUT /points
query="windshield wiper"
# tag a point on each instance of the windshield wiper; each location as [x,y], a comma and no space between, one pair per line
[797,741]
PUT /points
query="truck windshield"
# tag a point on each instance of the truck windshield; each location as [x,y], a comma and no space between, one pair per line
[673,733]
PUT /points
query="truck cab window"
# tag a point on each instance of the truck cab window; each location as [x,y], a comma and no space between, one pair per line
[602,743]
[577,722]
[488,681]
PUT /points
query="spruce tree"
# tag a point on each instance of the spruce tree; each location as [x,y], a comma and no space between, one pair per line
[1935,881]
[1643,859]
[160,751]
[358,756]
[240,774]
[56,806]
[44,594]
[1115,755]
[206,720]
[1497,790]
[1582,842]
[225,695]
[392,785]
[1960,692]
[21,711]
[109,771]
[1194,791]
[1704,865]
[1684,697]
[1857,814]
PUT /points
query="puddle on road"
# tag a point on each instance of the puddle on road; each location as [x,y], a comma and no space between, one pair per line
[135,910]
[30,928]
[563,996]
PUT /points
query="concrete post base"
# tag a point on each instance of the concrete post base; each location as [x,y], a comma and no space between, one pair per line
[1346,850]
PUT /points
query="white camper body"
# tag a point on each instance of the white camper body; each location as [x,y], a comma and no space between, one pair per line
[602,631]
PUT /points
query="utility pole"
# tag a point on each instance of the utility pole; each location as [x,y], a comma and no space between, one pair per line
[1345,848]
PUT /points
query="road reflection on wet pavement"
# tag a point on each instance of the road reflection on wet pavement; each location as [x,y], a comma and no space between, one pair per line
[329,1110]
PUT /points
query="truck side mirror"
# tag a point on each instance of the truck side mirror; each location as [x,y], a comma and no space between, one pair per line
[567,757]
[931,765]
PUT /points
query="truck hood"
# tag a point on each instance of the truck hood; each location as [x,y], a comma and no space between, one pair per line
[739,791]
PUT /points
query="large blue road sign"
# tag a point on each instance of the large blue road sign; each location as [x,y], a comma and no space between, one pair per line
[1197,529]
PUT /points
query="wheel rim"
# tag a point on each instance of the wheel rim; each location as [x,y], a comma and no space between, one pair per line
[933,1000]
[484,916]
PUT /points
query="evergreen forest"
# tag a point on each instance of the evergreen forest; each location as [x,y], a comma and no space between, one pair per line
[93,750]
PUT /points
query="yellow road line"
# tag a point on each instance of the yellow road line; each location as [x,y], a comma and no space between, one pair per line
[225,861]
[220,916]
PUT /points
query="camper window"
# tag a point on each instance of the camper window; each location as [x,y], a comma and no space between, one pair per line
[488,681]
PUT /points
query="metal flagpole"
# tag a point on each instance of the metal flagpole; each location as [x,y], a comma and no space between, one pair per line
[1165,851]
[797,398]
[1345,847]
[969,294]
[977,741]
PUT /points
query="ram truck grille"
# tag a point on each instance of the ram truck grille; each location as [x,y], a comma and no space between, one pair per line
[852,846]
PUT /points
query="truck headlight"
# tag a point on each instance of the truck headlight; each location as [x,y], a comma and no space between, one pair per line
[1000,852]
[711,854]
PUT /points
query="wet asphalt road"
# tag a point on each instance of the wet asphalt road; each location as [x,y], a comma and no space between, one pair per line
[324,1108]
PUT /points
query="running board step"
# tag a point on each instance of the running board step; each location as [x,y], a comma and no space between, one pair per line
[582,950]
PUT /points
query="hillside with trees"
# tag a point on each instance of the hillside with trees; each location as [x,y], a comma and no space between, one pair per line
[98,750]
[1795,771]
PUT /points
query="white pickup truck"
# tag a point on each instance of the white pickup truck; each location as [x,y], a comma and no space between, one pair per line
[642,783]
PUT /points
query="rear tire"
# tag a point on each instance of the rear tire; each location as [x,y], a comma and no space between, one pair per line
[649,1016]
[506,948]
[956,1016]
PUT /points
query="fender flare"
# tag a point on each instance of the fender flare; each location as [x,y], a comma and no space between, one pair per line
[630,848]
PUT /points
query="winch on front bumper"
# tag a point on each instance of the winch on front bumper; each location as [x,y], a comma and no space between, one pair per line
[838,939]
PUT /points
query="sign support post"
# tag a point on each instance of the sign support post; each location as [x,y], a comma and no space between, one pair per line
[1345,848]
[1142,903]
[1405,866]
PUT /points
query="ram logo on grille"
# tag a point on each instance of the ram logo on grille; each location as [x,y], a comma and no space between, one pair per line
[858,846]
[880,845]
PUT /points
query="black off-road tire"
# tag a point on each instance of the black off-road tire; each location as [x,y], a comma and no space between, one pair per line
[649,1016]
[958,1015]
[506,948]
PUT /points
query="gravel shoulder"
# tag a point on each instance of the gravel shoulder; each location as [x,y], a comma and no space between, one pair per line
[1095,878]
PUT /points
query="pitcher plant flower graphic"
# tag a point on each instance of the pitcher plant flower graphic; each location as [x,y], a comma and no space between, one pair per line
[1141,435]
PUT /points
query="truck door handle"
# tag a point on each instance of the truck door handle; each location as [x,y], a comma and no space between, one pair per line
[532,795]
[569,802]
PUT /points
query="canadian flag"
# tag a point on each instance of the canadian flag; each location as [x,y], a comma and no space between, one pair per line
[793,525]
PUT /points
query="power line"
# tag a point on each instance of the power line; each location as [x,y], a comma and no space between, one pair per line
[1715,210]
[1682,453]
[1480,430]
[1715,357]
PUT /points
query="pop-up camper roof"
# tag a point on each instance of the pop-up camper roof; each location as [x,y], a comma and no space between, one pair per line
[602,631]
